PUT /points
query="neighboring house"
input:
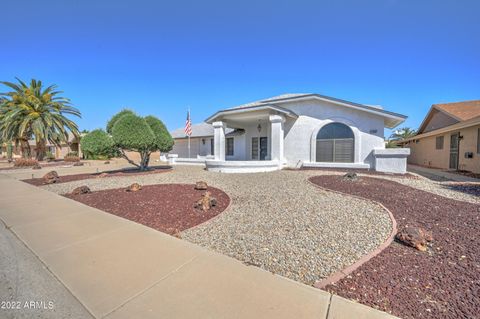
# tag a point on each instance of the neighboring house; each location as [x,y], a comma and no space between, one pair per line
[448,138]
[59,152]
[294,130]
[201,141]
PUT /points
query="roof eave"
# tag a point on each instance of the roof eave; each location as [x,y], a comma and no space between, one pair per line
[216,115]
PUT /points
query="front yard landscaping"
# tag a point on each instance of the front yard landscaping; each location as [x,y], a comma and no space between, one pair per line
[166,207]
[440,283]
[114,173]
[282,223]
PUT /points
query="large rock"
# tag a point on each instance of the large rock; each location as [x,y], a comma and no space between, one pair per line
[81,190]
[51,177]
[78,164]
[350,176]
[206,202]
[201,186]
[134,187]
[37,166]
[414,237]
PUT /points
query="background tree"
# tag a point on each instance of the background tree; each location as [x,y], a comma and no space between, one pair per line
[96,144]
[133,133]
[32,111]
[403,133]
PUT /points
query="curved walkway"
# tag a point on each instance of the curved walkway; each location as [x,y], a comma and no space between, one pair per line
[439,284]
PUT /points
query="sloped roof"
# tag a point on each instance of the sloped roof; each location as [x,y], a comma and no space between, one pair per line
[455,127]
[462,111]
[456,111]
[391,119]
[198,130]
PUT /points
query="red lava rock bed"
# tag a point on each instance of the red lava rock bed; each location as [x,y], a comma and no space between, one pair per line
[443,282]
[106,174]
[359,171]
[168,208]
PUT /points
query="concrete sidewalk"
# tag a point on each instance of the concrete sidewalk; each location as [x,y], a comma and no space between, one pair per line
[439,175]
[120,269]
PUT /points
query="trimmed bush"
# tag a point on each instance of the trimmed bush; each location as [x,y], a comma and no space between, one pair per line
[97,144]
[116,117]
[163,139]
[25,162]
[71,158]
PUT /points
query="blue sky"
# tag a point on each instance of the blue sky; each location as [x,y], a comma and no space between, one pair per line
[160,57]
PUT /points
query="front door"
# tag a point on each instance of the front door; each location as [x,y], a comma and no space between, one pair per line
[454,145]
[263,148]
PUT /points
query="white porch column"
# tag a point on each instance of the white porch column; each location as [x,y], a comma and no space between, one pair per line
[276,152]
[219,140]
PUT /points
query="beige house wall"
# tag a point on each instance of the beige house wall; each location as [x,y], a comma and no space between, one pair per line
[424,151]
[135,156]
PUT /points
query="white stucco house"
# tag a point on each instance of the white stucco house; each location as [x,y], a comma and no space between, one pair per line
[293,130]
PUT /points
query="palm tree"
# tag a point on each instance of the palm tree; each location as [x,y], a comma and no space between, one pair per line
[403,133]
[32,111]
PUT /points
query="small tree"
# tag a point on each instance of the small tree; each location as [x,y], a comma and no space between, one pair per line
[115,118]
[97,143]
[131,132]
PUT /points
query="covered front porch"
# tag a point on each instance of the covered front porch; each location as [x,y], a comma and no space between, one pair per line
[256,143]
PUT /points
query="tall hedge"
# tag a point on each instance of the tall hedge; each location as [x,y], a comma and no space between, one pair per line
[97,143]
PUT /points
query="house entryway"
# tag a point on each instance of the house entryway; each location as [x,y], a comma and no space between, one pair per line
[454,150]
[259,148]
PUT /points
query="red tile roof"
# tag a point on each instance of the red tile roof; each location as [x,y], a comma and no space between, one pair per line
[463,111]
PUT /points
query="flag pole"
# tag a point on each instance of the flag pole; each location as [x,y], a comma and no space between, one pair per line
[189,134]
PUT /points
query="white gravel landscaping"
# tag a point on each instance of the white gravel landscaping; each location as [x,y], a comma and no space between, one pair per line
[277,221]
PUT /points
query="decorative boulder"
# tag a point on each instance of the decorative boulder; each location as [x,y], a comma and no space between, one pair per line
[106,162]
[201,186]
[81,190]
[37,166]
[350,176]
[134,187]
[78,164]
[51,177]
[414,237]
[206,202]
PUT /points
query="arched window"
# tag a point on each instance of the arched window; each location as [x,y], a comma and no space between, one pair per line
[335,143]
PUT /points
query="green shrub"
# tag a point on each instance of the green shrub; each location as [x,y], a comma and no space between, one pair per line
[97,143]
[49,156]
[164,141]
[116,117]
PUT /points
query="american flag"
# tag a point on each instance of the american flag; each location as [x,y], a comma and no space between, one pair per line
[188,125]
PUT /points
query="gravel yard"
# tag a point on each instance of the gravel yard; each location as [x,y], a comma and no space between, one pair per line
[440,283]
[277,221]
